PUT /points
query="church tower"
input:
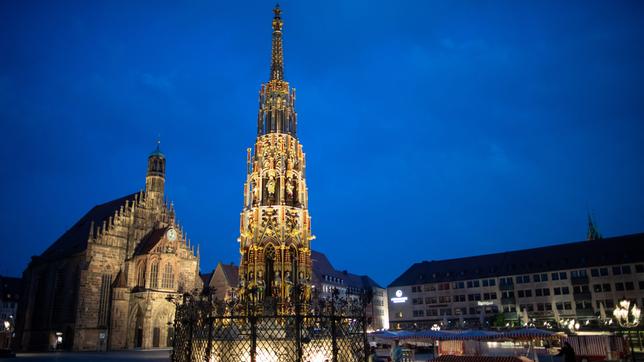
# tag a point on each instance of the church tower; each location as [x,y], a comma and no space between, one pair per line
[275,226]
[155,177]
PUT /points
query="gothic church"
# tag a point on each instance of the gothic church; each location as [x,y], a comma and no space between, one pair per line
[103,285]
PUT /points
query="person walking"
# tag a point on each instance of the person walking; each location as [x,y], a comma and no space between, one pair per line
[396,352]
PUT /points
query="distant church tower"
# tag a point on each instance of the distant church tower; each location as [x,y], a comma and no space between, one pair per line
[155,178]
[275,226]
[593,233]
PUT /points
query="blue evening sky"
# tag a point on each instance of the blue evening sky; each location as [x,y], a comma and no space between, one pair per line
[433,129]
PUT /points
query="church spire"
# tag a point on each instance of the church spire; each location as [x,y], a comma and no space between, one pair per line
[593,233]
[277,55]
[276,98]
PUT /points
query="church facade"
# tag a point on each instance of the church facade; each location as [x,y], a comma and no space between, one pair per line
[104,284]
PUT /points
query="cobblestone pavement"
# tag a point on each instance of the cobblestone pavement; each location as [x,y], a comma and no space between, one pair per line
[147,356]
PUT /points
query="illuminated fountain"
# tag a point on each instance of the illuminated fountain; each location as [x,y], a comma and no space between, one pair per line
[274,317]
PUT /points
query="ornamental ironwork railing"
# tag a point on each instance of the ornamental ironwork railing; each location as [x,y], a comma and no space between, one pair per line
[332,330]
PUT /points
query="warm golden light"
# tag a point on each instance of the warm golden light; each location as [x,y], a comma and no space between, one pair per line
[627,314]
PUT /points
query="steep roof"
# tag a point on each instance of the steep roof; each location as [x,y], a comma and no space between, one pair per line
[74,240]
[150,241]
[231,273]
[322,266]
[582,254]
[367,281]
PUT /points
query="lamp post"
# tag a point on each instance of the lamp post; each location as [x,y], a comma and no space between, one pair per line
[627,314]
[8,327]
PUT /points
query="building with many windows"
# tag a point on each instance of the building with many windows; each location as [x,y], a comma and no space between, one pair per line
[326,278]
[582,280]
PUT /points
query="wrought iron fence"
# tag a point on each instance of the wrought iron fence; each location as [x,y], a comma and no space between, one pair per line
[333,330]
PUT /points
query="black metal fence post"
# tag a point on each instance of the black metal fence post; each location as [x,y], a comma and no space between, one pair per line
[367,298]
[334,330]
[298,323]
[190,336]
[173,355]
[210,320]
[253,338]
[366,348]
[178,310]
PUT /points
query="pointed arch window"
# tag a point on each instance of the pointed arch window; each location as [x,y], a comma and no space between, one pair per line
[168,277]
[140,281]
[154,275]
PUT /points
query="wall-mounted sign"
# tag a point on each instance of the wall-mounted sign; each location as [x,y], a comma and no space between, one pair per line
[484,302]
[399,297]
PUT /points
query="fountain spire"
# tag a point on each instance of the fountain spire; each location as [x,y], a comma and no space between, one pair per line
[277,54]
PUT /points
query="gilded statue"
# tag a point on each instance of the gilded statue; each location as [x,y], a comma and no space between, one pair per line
[289,186]
[270,185]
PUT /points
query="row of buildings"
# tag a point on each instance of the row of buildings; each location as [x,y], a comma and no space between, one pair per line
[225,279]
[583,281]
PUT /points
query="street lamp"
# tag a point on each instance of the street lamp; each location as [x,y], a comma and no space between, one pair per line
[627,314]
[571,324]
[8,326]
